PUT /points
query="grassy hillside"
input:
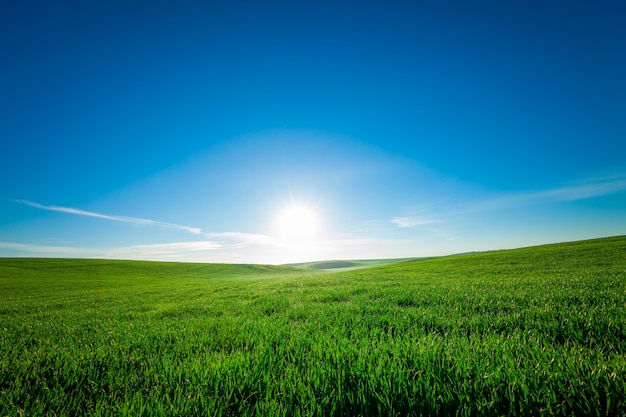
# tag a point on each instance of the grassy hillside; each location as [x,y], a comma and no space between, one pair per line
[348,265]
[534,331]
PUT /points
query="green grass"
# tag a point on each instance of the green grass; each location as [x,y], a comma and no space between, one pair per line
[349,265]
[534,331]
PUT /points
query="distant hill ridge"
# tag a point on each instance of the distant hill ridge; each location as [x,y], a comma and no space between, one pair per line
[73,265]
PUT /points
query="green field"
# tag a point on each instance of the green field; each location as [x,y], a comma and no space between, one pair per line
[534,331]
[352,264]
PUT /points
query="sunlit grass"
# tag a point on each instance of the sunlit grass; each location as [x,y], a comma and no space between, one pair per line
[535,331]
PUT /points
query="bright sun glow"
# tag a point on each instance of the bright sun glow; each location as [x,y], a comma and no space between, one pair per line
[297,224]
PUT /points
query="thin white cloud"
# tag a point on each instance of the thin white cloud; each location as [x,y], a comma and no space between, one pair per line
[222,241]
[160,249]
[410,221]
[579,190]
[431,219]
[148,251]
[57,250]
[589,188]
[124,219]
[211,246]
[574,191]
[242,238]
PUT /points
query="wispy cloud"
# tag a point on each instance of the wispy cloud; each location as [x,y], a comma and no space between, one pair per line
[242,239]
[588,188]
[412,221]
[208,246]
[578,190]
[49,250]
[447,220]
[574,191]
[219,243]
[136,220]
[426,223]
[160,249]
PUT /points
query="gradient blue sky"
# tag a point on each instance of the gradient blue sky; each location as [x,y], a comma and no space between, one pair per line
[179,130]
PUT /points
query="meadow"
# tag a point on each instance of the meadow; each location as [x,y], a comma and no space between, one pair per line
[525,332]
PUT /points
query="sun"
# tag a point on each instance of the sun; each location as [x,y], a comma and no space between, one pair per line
[297,223]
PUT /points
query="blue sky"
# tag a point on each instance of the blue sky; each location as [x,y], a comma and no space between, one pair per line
[182,130]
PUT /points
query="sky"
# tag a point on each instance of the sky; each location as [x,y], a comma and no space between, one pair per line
[281,131]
